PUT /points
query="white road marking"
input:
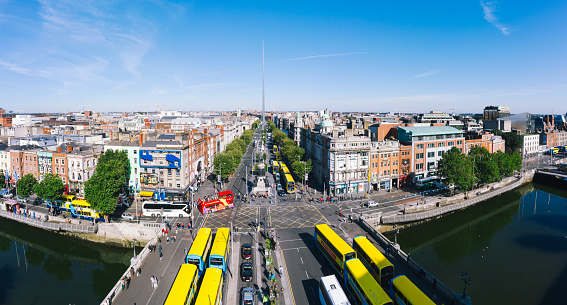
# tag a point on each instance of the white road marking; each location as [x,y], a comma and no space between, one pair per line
[307,275]
[301,260]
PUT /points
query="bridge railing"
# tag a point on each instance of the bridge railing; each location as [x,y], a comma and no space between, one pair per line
[53,226]
[437,285]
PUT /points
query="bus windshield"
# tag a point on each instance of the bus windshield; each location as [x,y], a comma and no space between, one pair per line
[216,261]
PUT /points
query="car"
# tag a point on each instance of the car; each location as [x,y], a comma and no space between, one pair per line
[281,192]
[246,272]
[127,216]
[371,203]
[247,296]
[37,201]
[246,251]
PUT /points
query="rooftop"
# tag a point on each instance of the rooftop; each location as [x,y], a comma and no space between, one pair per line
[430,130]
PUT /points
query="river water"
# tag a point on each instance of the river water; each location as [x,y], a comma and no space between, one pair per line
[514,247]
[40,267]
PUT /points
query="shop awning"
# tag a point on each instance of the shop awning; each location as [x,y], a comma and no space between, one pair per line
[146,194]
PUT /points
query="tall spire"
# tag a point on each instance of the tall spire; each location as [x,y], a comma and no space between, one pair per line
[263,101]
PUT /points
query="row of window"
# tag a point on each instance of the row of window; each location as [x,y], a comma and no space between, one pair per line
[439,144]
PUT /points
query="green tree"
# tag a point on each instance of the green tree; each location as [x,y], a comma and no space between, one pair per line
[513,140]
[301,168]
[485,165]
[109,180]
[247,136]
[50,188]
[26,185]
[255,124]
[456,169]
[2,180]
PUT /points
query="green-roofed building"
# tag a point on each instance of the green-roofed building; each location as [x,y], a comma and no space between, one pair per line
[428,145]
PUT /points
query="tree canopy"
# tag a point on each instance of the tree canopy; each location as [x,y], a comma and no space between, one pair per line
[50,188]
[26,185]
[109,180]
[513,140]
[2,180]
[456,169]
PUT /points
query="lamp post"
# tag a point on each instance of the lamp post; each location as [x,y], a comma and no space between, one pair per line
[220,173]
[134,246]
[467,279]
[396,231]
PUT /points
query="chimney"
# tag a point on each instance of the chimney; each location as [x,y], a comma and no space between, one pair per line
[141,139]
[69,148]
[59,149]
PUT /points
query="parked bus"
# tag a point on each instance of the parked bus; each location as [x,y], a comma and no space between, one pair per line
[275,167]
[63,202]
[427,183]
[334,248]
[210,291]
[199,252]
[219,202]
[362,287]
[220,250]
[184,286]
[404,292]
[331,292]
[287,179]
[379,266]
[166,209]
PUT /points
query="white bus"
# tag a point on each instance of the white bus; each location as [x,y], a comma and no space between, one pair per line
[426,183]
[330,291]
[166,209]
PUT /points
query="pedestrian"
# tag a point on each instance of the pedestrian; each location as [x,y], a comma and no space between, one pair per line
[123,283]
[159,249]
[183,225]
[167,239]
[127,282]
[176,231]
[160,256]
[281,271]
[138,271]
[131,271]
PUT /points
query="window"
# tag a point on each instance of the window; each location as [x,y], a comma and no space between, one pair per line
[63,161]
[431,154]
[419,146]
[431,145]
[56,160]
[135,171]
[177,172]
[135,160]
[440,153]
[451,143]
[419,156]
[135,151]
[178,183]
[63,170]
[419,166]
[459,142]
[441,144]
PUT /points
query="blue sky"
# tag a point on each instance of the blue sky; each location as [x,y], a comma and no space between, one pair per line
[400,56]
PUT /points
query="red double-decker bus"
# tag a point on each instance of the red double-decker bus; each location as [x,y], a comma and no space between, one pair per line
[219,202]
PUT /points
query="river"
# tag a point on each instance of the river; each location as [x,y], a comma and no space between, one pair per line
[514,247]
[41,267]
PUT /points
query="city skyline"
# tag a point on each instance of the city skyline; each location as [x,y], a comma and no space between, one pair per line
[114,56]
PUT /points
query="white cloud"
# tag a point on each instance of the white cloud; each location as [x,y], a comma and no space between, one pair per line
[158,91]
[488,9]
[428,73]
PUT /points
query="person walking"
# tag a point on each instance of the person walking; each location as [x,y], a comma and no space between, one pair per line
[281,271]
[160,256]
[159,249]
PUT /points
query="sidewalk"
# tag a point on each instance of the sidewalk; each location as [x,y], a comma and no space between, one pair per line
[278,291]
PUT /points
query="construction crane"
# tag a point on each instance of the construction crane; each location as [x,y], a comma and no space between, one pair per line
[155,106]
[84,107]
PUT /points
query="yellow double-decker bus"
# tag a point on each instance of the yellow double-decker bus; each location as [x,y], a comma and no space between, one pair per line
[184,287]
[334,248]
[275,167]
[404,292]
[210,291]
[198,254]
[378,265]
[221,249]
[287,179]
[362,286]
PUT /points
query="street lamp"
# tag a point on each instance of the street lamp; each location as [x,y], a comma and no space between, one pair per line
[134,246]
[396,231]
[220,173]
[467,279]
